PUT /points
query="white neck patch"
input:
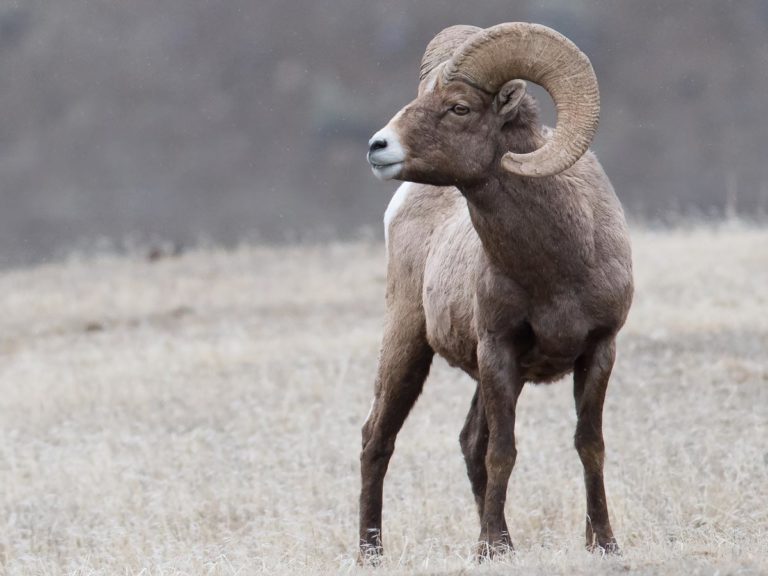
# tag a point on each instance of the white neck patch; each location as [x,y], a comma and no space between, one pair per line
[394,206]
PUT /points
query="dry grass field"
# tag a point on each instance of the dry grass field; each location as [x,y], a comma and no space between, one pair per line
[200,415]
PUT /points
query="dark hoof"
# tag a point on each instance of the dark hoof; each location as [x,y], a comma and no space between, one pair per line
[370,554]
[485,550]
[609,547]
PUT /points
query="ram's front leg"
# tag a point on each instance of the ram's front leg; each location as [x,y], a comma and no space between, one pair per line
[404,363]
[500,387]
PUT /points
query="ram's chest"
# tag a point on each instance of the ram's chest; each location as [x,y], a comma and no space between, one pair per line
[547,337]
[546,344]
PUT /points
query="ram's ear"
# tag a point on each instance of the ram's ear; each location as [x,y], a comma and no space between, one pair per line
[508,99]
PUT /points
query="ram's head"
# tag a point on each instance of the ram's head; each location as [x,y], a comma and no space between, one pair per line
[457,131]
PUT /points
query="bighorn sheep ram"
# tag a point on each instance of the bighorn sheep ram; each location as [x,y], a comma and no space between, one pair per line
[508,255]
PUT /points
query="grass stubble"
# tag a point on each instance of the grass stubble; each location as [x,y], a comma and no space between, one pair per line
[201,414]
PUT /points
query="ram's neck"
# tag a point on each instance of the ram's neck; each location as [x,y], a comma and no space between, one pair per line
[534,229]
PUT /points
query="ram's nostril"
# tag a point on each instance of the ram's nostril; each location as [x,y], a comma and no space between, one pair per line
[377,145]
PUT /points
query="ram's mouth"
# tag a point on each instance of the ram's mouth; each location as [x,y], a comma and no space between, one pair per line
[386,171]
[385,154]
[377,166]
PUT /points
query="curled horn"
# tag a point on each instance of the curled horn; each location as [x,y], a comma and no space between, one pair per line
[533,52]
[440,49]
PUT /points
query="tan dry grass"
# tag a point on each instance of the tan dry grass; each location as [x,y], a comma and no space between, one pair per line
[201,415]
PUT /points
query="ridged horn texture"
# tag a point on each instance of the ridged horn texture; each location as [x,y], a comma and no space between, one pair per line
[539,54]
[441,47]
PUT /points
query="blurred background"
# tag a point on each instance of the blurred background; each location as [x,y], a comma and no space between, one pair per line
[190,120]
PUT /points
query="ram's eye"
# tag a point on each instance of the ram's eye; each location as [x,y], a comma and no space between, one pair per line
[460,109]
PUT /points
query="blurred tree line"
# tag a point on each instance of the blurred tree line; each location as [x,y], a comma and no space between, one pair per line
[184,119]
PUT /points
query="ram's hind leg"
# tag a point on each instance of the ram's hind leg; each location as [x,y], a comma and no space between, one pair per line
[474,445]
[404,363]
[591,375]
